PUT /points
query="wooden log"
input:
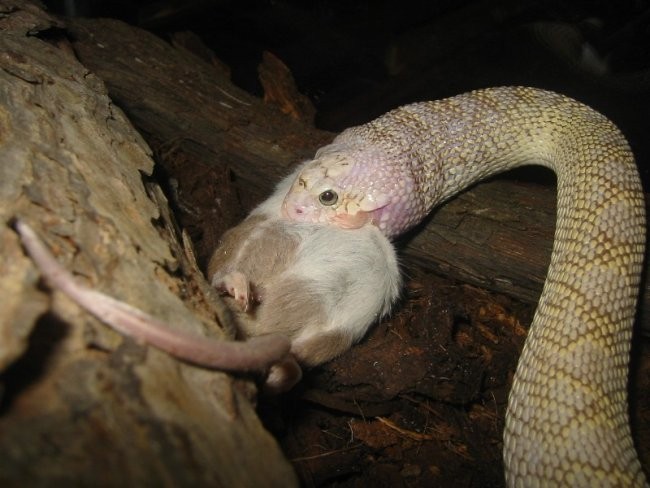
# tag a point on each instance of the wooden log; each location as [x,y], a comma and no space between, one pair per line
[188,110]
[497,235]
[81,404]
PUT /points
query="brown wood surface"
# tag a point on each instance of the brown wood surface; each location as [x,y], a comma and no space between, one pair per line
[81,405]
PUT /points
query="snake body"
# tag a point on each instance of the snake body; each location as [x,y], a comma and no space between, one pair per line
[567,419]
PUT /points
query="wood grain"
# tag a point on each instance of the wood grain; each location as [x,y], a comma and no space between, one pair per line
[81,404]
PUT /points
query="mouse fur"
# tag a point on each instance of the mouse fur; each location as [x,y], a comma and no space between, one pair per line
[320,285]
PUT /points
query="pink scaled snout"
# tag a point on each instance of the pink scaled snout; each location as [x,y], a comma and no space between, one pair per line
[294,211]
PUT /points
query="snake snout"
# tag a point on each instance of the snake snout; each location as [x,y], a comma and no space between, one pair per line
[293,211]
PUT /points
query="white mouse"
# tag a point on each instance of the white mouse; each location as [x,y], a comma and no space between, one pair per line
[320,285]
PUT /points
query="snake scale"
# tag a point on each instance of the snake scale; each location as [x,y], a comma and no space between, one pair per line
[567,419]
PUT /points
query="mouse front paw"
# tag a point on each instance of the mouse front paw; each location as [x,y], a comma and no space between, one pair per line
[236,285]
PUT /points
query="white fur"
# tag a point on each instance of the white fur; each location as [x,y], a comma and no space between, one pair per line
[354,271]
[347,280]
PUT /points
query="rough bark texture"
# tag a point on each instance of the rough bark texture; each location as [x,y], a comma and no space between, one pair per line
[188,109]
[81,404]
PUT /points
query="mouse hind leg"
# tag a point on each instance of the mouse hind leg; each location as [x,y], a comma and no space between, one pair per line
[321,347]
[298,309]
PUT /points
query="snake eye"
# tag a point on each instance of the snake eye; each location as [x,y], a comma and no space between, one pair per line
[328,197]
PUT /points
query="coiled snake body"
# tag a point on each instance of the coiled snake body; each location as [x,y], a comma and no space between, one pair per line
[567,419]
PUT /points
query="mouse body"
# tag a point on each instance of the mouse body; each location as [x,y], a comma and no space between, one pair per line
[319,285]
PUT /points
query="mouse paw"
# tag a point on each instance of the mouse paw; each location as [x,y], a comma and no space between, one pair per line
[237,286]
[282,376]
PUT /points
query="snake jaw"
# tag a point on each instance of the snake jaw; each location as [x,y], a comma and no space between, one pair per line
[355,213]
[372,203]
[351,221]
[341,189]
[350,211]
[347,214]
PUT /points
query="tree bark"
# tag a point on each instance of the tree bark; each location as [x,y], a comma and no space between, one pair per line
[497,235]
[80,404]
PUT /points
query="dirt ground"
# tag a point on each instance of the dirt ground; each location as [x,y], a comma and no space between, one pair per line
[421,401]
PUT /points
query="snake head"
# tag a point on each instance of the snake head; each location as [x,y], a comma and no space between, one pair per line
[345,186]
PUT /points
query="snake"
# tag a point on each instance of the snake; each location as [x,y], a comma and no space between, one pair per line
[567,421]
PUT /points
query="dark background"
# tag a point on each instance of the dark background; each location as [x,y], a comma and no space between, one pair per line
[358,59]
